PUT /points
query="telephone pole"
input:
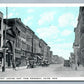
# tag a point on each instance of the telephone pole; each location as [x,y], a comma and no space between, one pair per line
[4,45]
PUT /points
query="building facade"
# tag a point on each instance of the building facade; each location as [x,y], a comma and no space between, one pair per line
[1,36]
[51,57]
[43,49]
[22,43]
[79,38]
[72,60]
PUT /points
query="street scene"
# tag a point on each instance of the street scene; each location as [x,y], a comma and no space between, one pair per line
[54,70]
[41,43]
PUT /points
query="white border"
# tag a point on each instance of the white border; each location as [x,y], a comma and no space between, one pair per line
[40,5]
[42,79]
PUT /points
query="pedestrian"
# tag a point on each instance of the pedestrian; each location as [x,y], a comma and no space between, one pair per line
[78,63]
[27,64]
[13,64]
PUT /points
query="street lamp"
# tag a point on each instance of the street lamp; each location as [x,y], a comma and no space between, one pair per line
[4,46]
[4,57]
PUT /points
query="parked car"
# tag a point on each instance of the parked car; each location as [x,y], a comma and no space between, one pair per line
[45,63]
[66,63]
[31,63]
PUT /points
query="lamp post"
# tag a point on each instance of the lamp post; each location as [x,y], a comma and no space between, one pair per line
[4,46]
[4,58]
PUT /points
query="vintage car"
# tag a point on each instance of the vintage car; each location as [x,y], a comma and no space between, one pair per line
[66,63]
[45,63]
[31,63]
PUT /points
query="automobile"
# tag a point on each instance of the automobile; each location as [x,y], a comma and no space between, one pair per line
[66,63]
[45,63]
[31,63]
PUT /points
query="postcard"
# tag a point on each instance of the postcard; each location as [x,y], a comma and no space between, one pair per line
[41,42]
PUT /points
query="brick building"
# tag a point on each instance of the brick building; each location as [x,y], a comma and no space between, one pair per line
[79,37]
[22,43]
[43,49]
[1,35]
[51,57]
[72,60]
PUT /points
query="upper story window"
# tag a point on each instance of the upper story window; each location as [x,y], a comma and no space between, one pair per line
[18,41]
[28,47]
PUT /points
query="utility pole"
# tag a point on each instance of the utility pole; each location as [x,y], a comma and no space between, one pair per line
[4,46]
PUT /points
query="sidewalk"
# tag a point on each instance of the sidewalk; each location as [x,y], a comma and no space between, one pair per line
[10,68]
[79,68]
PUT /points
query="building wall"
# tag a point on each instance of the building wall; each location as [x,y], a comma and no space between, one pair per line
[37,41]
[48,53]
[25,41]
[55,58]
[1,36]
[44,49]
[20,45]
[51,56]
[21,41]
[45,52]
[79,36]
[72,58]
[1,30]
[21,37]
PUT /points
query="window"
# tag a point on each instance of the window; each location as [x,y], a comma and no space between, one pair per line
[28,47]
[22,35]
[18,41]
[28,38]
[24,46]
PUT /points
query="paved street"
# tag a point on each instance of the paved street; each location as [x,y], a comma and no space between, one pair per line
[54,70]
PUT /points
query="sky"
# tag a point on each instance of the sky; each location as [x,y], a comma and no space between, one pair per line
[55,25]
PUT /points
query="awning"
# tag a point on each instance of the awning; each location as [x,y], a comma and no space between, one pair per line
[38,54]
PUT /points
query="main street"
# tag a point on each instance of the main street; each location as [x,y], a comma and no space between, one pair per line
[53,70]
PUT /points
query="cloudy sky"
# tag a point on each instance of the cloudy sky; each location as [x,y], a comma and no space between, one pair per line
[55,25]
